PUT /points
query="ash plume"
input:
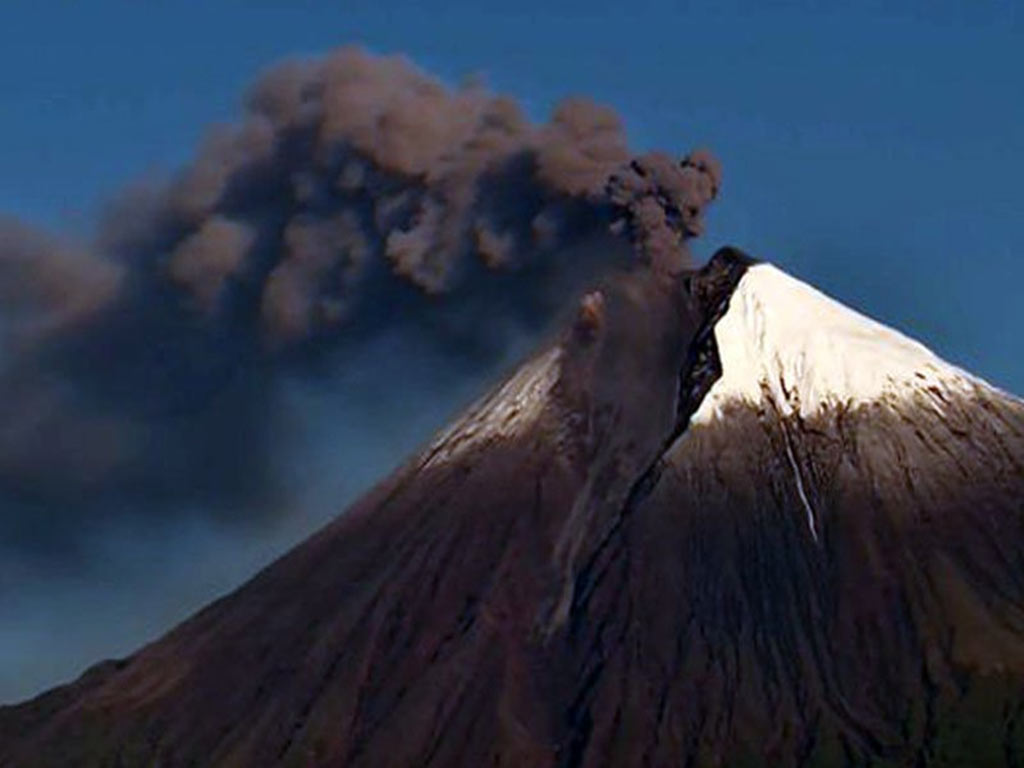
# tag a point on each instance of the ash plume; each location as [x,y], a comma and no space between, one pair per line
[356,195]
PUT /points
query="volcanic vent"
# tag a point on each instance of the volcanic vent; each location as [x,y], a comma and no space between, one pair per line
[723,520]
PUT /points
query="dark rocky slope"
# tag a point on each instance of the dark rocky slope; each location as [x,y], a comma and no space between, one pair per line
[579,574]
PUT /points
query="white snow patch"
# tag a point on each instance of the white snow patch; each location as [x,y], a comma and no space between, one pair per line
[812,526]
[503,413]
[785,341]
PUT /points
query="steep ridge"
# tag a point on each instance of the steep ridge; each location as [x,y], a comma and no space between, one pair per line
[722,521]
[831,568]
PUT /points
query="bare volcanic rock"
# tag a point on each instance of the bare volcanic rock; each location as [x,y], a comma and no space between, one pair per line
[723,520]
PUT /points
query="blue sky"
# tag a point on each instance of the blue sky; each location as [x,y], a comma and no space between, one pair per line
[876,151]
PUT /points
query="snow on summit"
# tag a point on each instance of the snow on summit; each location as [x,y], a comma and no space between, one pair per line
[785,342]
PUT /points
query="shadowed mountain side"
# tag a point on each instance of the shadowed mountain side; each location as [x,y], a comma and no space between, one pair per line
[422,621]
[719,626]
[582,573]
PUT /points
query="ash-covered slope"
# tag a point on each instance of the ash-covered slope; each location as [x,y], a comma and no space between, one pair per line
[723,521]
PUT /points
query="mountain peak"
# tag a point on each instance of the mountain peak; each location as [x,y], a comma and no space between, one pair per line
[787,343]
[681,534]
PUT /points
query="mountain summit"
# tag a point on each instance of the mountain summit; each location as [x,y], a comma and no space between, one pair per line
[722,520]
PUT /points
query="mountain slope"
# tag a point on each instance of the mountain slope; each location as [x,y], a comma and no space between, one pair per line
[841,535]
[724,520]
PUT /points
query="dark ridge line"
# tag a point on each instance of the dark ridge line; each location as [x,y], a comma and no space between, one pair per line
[702,369]
[713,287]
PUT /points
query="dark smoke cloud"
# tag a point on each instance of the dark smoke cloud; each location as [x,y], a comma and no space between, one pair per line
[356,196]
[46,284]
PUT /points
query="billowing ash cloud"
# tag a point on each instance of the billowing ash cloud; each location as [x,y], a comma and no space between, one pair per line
[357,196]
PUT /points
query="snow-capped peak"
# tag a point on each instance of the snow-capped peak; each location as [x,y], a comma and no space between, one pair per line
[785,342]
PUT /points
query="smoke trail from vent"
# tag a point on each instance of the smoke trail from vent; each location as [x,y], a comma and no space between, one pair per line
[357,197]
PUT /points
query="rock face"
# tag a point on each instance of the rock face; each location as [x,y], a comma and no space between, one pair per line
[723,521]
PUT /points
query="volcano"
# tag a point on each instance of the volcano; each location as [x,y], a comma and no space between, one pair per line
[720,520]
